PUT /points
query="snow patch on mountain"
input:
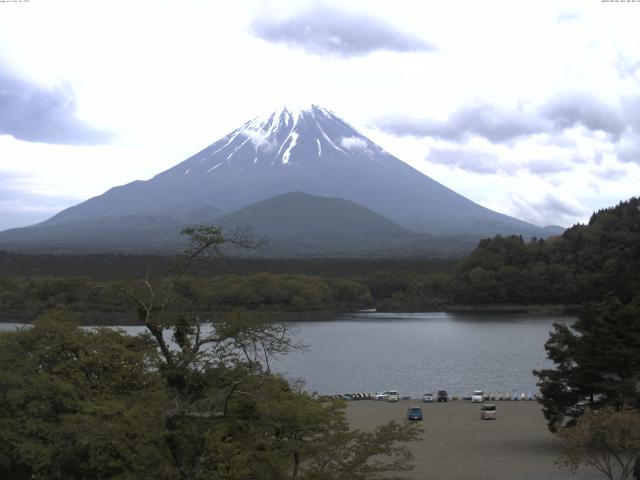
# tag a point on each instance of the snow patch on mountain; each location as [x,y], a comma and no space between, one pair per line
[293,139]
[276,135]
[270,123]
[237,148]
[326,137]
[214,167]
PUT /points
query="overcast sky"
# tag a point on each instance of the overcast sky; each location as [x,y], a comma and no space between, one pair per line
[531,108]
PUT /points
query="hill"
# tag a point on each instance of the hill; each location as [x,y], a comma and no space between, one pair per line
[300,224]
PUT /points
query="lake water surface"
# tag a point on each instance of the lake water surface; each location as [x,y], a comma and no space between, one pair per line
[417,352]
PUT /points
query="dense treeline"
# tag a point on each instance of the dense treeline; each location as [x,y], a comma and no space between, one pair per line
[29,296]
[585,263]
[596,359]
[510,270]
[119,266]
[88,284]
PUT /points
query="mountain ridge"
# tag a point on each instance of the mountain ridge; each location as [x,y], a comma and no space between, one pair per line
[312,151]
[309,150]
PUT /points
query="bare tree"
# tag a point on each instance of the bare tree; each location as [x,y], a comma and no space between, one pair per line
[188,347]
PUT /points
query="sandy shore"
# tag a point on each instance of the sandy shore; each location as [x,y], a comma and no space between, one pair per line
[457,444]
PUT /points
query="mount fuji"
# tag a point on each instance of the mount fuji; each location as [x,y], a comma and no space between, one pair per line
[310,151]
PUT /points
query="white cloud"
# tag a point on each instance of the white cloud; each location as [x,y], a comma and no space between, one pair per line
[353,142]
[259,139]
[628,148]
[324,29]
[470,159]
[553,207]
[514,57]
[610,173]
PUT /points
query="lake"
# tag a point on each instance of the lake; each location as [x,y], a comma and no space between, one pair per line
[418,352]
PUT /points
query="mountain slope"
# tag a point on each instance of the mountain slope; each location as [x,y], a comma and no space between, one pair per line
[311,151]
[299,223]
[126,233]
[298,214]
[294,225]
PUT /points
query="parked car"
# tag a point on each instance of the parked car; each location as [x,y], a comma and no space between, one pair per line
[393,396]
[381,396]
[443,396]
[427,397]
[477,396]
[576,410]
[414,413]
[488,412]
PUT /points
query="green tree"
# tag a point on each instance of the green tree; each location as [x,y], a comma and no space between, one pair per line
[77,404]
[355,455]
[606,439]
[595,359]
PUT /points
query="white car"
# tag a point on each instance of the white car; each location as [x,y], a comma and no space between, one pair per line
[427,397]
[381,396]
[393,396]
[477,396]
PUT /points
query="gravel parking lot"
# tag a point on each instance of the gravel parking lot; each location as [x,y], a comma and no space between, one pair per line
[457,444]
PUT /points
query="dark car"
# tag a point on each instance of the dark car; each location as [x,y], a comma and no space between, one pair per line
[443,396]
[414,413]
[488,412]
[576,410]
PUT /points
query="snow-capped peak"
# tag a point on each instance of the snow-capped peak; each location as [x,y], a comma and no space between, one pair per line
[277,130]
[289,136]
[285,116]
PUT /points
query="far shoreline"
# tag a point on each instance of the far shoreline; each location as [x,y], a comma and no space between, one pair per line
[119,319]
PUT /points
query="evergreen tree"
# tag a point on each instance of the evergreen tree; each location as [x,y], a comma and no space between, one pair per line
[597,359]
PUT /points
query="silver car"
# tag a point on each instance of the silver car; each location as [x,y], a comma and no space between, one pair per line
[488,412]
[478,396]
[381,396]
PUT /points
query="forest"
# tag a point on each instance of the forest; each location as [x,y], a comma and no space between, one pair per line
[583,264]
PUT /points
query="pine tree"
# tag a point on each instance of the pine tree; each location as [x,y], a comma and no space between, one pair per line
[597,359]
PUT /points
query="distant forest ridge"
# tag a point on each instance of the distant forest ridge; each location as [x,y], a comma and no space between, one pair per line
[587,263]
